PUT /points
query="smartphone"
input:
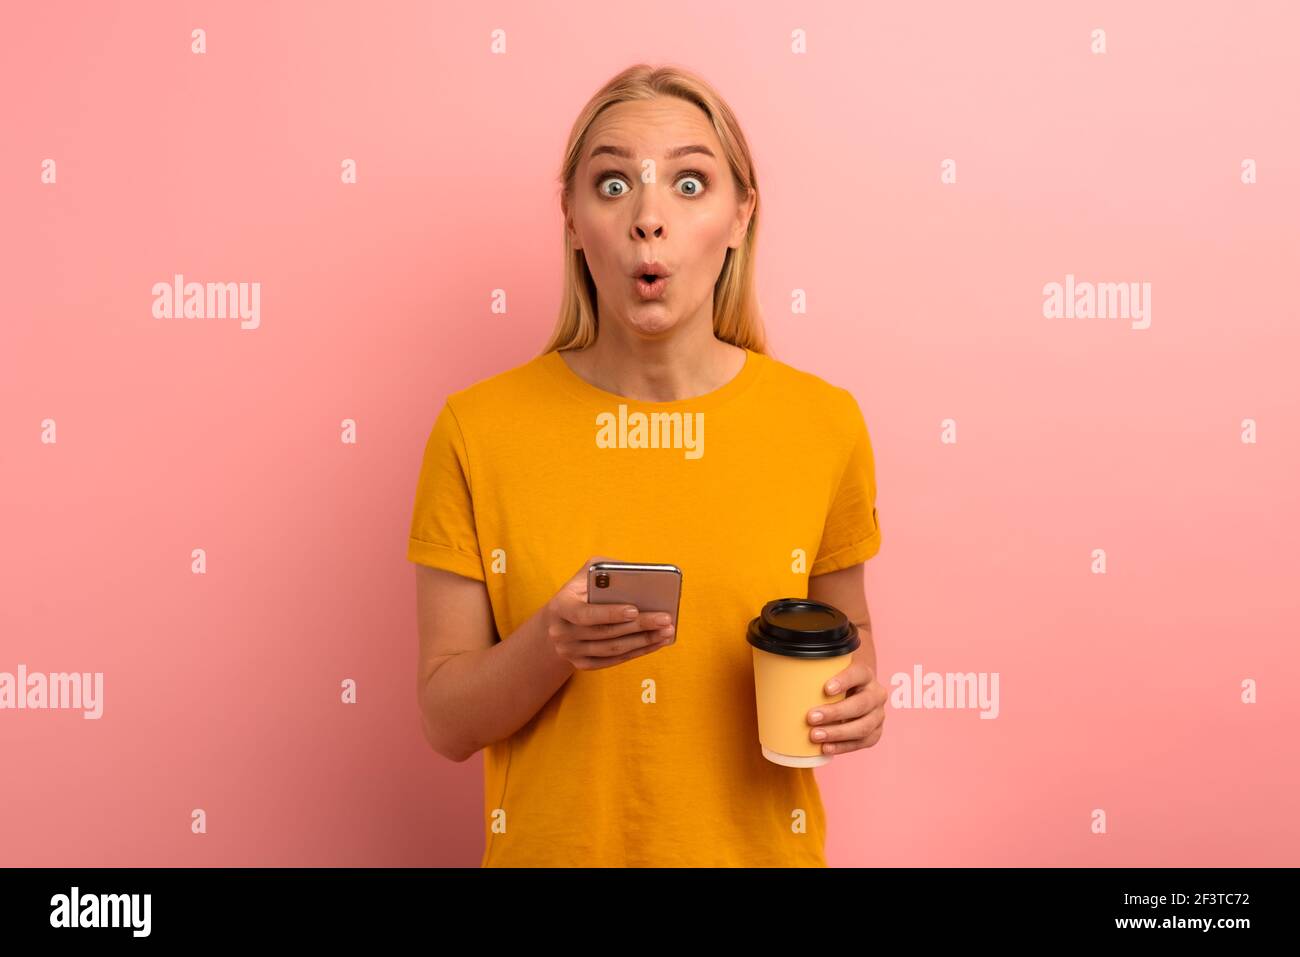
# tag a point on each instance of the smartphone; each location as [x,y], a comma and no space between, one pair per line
[649,586]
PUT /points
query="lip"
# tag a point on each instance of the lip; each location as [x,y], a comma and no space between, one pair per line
[655,268]
[651,290]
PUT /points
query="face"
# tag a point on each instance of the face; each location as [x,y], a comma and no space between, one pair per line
[641,199]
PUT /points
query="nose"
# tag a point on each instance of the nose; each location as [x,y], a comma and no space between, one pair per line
[645,226]
[647,221]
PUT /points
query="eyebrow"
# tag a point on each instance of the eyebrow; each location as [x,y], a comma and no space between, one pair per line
[671,154]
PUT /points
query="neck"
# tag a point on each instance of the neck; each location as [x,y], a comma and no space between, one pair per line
[689,363]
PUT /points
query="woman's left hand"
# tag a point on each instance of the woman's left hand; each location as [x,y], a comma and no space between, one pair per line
[857,721]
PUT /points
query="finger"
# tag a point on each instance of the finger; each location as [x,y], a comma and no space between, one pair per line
[851,677]
[848,730]
[579,578]
[645,621]
[853,706]
[652,620]
[605,647]
[581,573]
[613,647]
[589,663]
[840,747]
[582,613]
[576,587]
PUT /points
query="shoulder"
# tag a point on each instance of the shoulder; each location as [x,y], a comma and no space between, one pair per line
[499,393]
[813,395]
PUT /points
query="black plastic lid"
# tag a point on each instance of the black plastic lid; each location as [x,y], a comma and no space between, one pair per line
[803,628]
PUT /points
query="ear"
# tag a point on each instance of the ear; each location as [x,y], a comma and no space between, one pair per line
[575,241]
[744,212]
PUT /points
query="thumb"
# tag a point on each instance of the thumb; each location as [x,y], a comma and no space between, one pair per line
[593,559]
[579,579]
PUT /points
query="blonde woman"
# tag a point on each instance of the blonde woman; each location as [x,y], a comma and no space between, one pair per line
[611,742]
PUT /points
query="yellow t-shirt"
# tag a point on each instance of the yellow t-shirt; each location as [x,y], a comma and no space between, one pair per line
[654,762]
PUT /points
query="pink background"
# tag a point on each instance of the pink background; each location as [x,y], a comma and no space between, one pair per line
[1119,691]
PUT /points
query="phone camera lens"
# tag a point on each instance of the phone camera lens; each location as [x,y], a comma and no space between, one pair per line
[602,580]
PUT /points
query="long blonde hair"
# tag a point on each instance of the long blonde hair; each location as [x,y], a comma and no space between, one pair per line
[737,317]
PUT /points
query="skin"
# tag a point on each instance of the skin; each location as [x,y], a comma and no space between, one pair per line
[858,721]
[662,350]
[473,688]
[658,350]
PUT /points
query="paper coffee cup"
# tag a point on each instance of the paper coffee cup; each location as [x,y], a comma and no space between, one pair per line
[798,644]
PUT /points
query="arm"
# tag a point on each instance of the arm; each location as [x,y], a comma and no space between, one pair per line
[845,590]
[857,721]
[473,689]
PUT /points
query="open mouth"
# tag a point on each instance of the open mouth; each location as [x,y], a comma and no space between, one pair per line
[650,286]
[651,280]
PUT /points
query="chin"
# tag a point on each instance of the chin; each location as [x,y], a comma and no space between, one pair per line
[652,323]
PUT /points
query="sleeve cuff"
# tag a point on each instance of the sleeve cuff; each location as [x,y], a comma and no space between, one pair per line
[850,555]
[445,557]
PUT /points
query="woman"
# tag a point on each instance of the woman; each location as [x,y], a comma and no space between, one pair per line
[613,742]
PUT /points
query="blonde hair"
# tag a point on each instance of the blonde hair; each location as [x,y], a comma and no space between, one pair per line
[737,318]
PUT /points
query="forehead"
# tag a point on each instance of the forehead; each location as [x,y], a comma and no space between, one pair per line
[649,128]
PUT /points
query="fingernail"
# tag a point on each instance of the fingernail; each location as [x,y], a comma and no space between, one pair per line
[833,687]
[816,716]
[819,734]
[629,612]
[663,619]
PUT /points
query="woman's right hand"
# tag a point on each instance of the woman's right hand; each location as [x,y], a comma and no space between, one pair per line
[590,637]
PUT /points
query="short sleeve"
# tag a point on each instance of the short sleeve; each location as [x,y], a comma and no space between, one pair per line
[852,531]
[442,529]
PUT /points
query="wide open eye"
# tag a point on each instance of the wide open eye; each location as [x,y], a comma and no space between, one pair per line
[702,183]
[611,179]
